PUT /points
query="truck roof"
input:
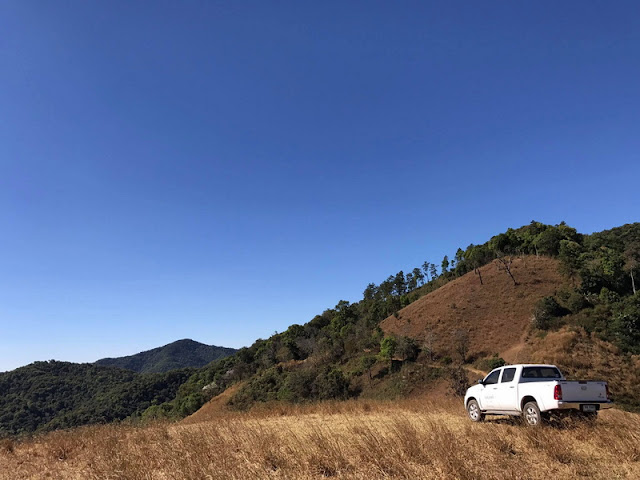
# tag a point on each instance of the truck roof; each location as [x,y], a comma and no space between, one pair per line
[527,365]
[531,365]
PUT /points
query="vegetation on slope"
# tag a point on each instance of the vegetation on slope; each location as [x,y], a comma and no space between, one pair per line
[491,317]
[52,395]
[180,354]
[334,354]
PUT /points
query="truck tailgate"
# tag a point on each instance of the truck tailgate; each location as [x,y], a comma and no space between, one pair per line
[583,391]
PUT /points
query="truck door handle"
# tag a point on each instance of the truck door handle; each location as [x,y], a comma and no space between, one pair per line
[512,387]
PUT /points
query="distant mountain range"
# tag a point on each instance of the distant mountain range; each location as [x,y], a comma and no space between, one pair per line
[179,354]
[51,395]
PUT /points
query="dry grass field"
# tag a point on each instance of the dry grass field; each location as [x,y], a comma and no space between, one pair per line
[410,439]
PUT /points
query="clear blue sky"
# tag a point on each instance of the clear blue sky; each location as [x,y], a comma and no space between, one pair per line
[221,170]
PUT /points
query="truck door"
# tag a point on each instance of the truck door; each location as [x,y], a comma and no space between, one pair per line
[488,395]
[506,393]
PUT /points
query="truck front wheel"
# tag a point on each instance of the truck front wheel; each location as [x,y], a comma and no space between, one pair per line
[474,412]
[531,414]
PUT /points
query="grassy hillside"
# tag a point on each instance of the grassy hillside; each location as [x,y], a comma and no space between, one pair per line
[537,293]
[495,315]
[52,395]
[348,440]
[488,303]
[179,354]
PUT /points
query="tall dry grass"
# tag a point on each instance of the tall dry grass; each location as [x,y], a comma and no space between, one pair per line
[356,440]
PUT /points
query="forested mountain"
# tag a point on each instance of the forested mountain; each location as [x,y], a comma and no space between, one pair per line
[51,395]
[179,354]
[571,299]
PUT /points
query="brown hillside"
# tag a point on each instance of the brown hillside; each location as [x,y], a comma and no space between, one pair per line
[215,407]
[496,315]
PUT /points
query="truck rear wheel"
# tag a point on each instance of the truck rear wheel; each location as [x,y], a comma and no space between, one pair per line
[474,412]
[531,414]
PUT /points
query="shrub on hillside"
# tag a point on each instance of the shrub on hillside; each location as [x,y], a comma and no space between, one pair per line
[626,324]
[488,364]
[607,296]
[297,386]
[546,311]
[577,302]
[330,384]
[388,347]
[407,349]
[458,381]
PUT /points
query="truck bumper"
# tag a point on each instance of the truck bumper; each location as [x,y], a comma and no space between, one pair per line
[577,405]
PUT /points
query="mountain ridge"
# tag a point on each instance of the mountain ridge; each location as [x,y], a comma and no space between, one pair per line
[172,356]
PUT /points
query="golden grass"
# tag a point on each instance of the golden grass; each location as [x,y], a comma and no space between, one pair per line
[357,440]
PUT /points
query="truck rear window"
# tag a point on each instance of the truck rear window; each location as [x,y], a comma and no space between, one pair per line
[544,373]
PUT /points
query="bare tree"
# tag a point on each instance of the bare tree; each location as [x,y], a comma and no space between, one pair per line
[461,338]
[427,343]
[476,270]
[504,263]
[632,260]
[475,259]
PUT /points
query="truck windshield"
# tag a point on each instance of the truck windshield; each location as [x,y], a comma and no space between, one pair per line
[540,373]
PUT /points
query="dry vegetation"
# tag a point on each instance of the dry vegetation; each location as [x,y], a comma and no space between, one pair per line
[583,356]
[414,438]
[481,310]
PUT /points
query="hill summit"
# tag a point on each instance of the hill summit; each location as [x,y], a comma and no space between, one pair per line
[179,354]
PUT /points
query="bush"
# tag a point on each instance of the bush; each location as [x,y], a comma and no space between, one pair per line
[331,384]
[489,364]
[458,381]
[388,347]
[577,302]
[546,311]
[626,325]
[297,386]
[447,360]
[408,349]
[608,296]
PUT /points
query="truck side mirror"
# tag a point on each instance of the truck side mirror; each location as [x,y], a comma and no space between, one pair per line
[481,382]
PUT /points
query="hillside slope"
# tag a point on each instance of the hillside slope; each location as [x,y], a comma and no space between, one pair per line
[179,354]
[495,314]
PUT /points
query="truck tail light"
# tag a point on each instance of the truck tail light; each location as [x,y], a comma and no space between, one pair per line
[606,386]
[557,392]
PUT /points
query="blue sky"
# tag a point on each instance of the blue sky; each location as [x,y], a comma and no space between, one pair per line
[221,170]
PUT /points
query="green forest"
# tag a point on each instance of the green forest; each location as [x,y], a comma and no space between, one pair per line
[327,357]
[179,354]
[52,395]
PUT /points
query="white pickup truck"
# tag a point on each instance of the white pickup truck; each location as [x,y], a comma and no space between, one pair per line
[533,391]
